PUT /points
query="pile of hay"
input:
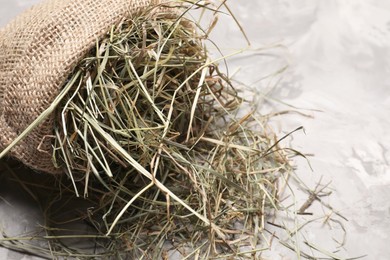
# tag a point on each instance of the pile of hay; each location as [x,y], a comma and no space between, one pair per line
[160,146]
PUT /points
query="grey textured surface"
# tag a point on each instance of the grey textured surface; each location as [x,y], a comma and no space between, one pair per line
[338,54]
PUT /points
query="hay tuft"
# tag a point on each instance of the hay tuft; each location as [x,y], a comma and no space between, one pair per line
[154,138]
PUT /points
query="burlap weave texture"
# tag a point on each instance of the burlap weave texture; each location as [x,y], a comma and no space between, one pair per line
[38,51]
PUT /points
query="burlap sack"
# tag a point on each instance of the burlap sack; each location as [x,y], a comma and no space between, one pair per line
[38,51]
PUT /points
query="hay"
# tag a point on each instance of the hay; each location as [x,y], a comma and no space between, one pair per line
[155,139]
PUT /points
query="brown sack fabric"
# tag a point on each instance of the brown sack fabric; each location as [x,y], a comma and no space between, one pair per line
[38,51]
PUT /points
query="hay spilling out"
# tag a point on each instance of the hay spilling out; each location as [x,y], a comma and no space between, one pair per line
[155,140]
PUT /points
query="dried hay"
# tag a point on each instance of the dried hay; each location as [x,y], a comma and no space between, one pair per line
[155,139]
